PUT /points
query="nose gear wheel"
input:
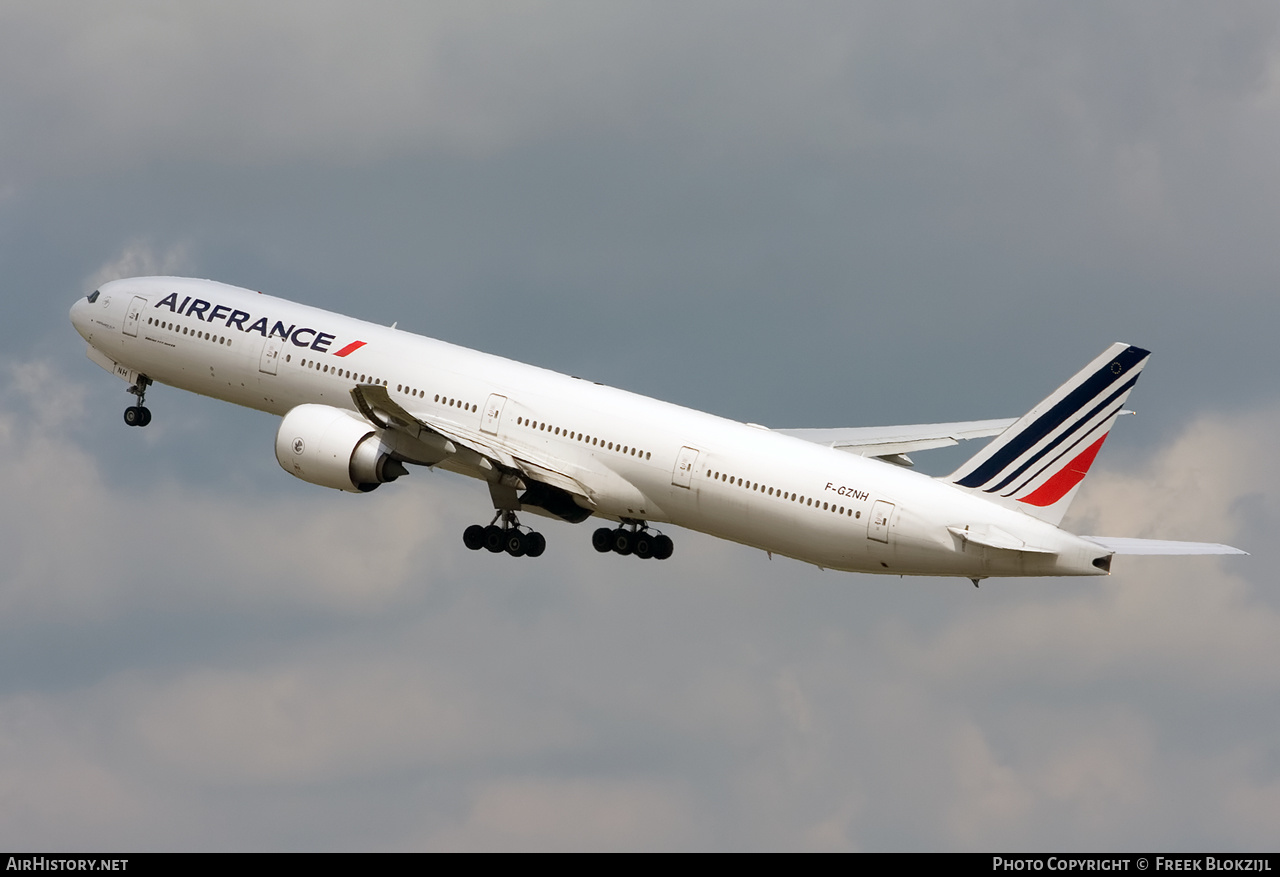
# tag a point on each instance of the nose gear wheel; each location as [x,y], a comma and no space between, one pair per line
[140,414]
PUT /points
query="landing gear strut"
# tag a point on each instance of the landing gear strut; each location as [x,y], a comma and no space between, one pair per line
[507,537]
[637,540]
[140,414]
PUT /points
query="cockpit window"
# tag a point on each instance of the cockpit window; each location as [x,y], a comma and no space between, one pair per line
[94,296]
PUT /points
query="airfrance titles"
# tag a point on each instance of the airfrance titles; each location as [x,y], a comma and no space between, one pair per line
[299,336]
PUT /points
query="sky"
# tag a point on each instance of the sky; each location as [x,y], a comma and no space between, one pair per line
[796,214]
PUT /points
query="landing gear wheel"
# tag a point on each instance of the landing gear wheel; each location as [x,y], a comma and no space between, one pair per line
[602,540]
[662,546]
[473,537]
[622,541]
[534,545]
[138,415]
[507,537]
[495,539]
[514,543]
[133,415]
[642,545]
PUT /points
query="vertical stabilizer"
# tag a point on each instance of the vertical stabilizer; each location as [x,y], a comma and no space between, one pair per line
[1037,464]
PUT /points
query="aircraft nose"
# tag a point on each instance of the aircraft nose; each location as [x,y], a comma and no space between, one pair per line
[77,314]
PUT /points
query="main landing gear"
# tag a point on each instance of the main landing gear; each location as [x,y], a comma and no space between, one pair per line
[507,537]
[638,541]
[140,414]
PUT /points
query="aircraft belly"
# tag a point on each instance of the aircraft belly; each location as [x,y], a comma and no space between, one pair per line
[194,365]
[778,527]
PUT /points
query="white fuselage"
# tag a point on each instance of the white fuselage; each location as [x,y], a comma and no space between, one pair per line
[641,459]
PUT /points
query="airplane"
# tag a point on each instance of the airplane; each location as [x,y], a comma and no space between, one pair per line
[360,403]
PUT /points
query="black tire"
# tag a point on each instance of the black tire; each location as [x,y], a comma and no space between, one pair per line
[602,540]
[133,415]
[494,539]
[535,544]
[622,541]
[515,543]
[473,537]
[146,416]
[642,545]
[663,546]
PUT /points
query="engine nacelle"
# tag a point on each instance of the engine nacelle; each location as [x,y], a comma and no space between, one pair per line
[335,448]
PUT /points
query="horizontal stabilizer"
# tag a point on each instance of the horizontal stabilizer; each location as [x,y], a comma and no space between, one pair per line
[1126,545]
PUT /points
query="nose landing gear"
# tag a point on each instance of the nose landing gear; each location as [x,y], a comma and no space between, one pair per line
[140,414]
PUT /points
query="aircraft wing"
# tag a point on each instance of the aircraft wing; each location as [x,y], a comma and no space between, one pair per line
[894,442]
[376,404]
[1127,545]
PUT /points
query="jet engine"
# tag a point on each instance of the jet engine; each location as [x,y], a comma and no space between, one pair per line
[335,448]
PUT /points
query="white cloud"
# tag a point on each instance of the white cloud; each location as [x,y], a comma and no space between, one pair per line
[64,789]
[1190,623]
[139,258]
[76,543]
[326,717]
[570,815]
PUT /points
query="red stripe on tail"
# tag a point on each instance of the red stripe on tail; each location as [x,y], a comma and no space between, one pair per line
[1065,478]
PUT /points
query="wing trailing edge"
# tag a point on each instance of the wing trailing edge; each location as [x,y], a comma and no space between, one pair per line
[377,406]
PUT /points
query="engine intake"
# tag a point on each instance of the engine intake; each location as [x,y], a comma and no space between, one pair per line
[335,448]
